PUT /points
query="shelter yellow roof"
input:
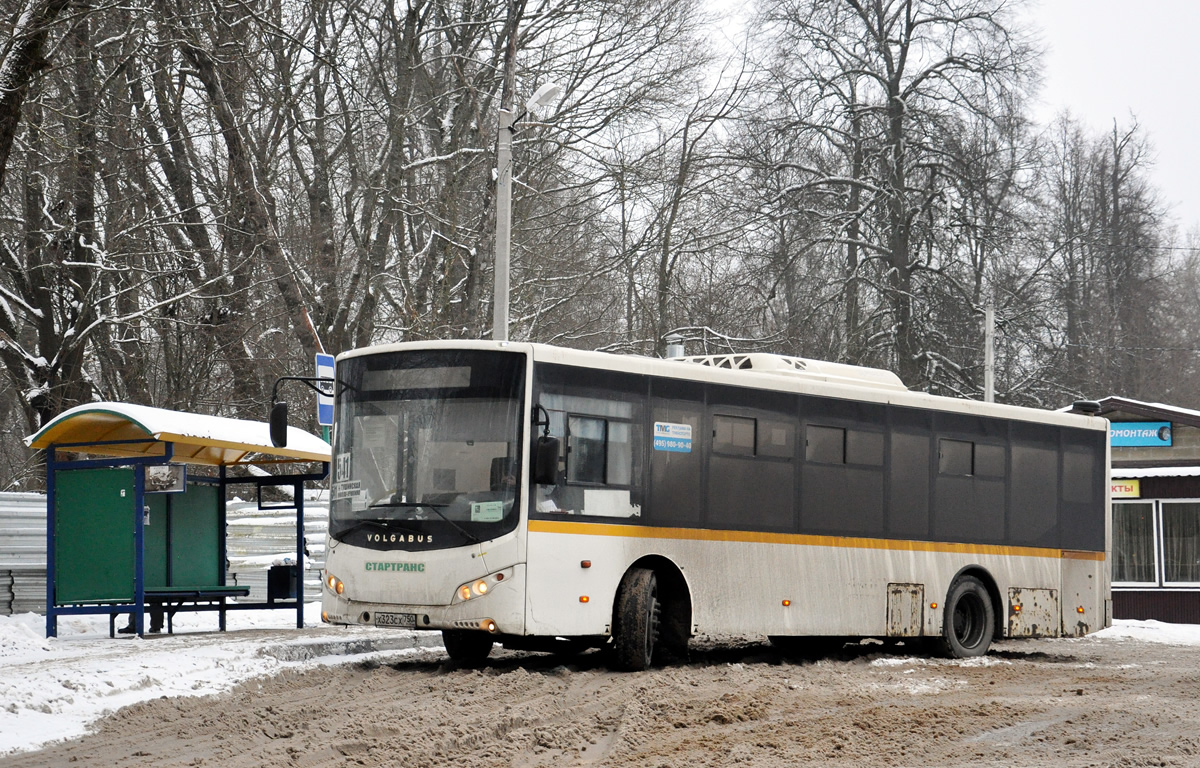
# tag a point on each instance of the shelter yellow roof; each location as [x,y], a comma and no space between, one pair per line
[198,439]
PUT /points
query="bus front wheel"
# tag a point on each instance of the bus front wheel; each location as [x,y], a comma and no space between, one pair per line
[969,621]
[467,646]
[636,617]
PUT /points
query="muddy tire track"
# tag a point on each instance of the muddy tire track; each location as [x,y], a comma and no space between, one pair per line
[1102,703]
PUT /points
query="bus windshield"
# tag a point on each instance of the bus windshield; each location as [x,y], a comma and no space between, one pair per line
[426,447]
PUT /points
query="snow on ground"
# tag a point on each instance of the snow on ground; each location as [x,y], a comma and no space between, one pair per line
[54,688]
[1152,632]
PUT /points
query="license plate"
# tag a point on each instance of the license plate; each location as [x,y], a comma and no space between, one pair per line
[405,620]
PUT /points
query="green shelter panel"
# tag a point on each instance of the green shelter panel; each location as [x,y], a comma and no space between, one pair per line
[196,537]
[94,536]
[154,537]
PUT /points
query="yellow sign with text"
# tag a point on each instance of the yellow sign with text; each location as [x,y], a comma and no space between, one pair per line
[1127,489]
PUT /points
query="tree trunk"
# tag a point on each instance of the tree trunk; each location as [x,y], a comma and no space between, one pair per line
[257,216]
[23,61]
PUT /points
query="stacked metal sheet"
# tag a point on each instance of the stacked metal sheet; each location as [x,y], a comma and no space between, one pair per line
[22,552]
[29,591]
[256,539]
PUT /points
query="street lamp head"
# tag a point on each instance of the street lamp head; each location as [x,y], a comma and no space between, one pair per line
[543,97]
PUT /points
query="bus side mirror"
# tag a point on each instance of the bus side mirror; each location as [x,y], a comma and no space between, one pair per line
[545,460]
[279,424]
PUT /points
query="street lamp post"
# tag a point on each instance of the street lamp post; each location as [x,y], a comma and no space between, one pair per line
[504,180]
[503,225]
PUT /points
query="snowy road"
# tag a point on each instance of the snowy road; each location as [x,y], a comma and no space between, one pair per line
[53,689]
[1123,697]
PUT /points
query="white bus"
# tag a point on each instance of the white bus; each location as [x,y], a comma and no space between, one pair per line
[547,498]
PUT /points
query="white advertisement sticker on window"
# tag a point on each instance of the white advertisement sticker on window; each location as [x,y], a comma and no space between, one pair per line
[676,438]
[377,432]
[346,489]
[487,511]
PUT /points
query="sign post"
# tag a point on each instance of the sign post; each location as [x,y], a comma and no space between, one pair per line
[325,401]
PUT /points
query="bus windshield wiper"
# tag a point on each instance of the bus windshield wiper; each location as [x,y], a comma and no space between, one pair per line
[470,536]
[437,510]
[386,525]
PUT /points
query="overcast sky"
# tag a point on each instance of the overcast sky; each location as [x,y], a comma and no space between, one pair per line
[1110,59]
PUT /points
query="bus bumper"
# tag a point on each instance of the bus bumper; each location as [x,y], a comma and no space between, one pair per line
[499,610]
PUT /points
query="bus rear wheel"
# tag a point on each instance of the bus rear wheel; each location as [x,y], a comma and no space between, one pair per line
[467,646]
[970,620]
[636,619]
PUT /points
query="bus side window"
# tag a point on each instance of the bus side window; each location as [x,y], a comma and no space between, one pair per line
[826,445]
[734,435]
[599,451]
[587,439]
[956,457]
[619,459]
[599,469]
[595,416]
[842,480]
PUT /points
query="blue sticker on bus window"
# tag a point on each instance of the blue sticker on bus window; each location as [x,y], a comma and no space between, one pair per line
[1140,433]
[676,438]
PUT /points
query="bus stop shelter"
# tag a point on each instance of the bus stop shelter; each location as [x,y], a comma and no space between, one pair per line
[127,527]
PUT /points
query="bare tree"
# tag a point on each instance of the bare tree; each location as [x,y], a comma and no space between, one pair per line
[888,84]
[1107,227]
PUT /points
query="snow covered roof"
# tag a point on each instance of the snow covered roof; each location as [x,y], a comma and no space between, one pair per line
[1131,472]
[198,439]
[1146,410]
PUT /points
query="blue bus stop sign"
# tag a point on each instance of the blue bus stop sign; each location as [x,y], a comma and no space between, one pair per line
[325,402]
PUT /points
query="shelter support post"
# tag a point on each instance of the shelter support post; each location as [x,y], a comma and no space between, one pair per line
[139,552]
[298,489]
[51,613]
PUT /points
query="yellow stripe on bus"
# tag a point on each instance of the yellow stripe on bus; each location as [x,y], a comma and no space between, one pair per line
[758,537]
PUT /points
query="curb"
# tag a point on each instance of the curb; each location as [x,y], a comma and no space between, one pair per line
[306,651]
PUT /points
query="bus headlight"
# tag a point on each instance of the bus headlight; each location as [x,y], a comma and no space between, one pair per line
[480,587]
[334,584]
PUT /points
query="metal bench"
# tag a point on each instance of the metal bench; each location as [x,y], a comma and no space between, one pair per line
[171,600]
